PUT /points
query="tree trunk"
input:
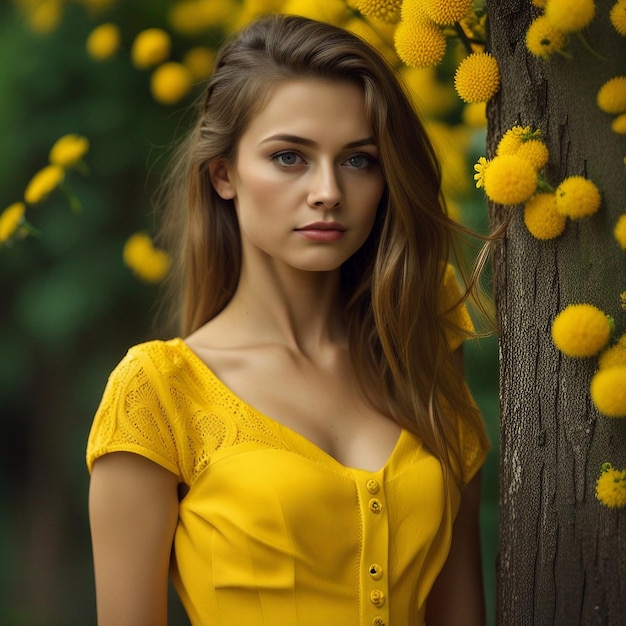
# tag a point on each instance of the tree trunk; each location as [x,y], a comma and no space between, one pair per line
[562,555]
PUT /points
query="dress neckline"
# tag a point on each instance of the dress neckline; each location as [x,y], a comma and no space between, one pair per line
[316,451]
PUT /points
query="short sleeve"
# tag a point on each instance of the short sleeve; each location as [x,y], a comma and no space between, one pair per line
[455,313]
[132,416]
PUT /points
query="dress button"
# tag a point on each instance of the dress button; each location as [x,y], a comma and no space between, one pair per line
[377,597]
[376,571]
[376,506]
[378,621]
[373,486]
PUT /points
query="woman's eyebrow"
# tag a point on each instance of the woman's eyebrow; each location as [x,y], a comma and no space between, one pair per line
[367,141]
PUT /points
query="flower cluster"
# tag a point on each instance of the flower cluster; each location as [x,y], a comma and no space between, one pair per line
[583,331]
[515,176]
[548,33]
[148,263]
[170,81]
[421,39]
[611,487]
[67,153]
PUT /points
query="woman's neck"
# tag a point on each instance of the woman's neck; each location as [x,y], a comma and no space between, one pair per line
[301,310]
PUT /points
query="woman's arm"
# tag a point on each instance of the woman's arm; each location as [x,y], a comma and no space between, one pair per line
[456,598]
[133,510]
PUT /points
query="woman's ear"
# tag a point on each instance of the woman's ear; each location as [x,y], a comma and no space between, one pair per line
[219,171]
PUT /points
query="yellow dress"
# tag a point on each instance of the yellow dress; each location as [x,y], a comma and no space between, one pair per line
[274,531]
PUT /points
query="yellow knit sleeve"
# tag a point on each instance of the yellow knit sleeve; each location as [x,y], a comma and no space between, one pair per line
[134,415]
[456,316]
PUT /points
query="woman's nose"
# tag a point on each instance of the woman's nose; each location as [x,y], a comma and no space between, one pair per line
[325,191]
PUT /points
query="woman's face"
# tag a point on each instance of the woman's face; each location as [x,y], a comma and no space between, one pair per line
[306,182]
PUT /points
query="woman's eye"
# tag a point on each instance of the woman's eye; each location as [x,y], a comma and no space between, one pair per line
[360,161]
[287,159]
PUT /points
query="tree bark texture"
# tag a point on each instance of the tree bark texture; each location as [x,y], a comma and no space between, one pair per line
[562,555]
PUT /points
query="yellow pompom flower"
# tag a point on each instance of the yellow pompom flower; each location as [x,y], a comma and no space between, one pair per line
[570,15]
[608,391]
[509,179]
[480,169]
[68,150]
[150,47]
[103,41]
[420,43]
[147,262]
[199,61]
[612,95]
[619,232]
[385,10]
[535,152]
[618,125]
[446,12]
[581,330]
[512,139]
[43,183]
[611,487]
[613,356]
[541,217]
[477,78]
[170,82]
[577,197]
[618,17]
[412,11]
[543,39]
[10,220]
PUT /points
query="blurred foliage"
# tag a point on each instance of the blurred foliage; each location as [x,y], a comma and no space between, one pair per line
[70,308]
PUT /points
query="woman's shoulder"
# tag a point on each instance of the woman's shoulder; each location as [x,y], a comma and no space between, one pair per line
[155,360]
[159,351]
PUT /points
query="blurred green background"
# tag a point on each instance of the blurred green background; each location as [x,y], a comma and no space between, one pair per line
[69,308]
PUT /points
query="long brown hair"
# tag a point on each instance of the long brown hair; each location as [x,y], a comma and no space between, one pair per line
[397,333]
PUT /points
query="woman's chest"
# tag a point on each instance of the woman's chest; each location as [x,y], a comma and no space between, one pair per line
[321,401]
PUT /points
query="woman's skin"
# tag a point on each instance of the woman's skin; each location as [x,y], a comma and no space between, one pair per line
[306,185]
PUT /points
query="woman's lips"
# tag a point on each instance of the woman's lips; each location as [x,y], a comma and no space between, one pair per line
[322,231]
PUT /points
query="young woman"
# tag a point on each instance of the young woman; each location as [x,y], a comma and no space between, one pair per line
[308,453]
